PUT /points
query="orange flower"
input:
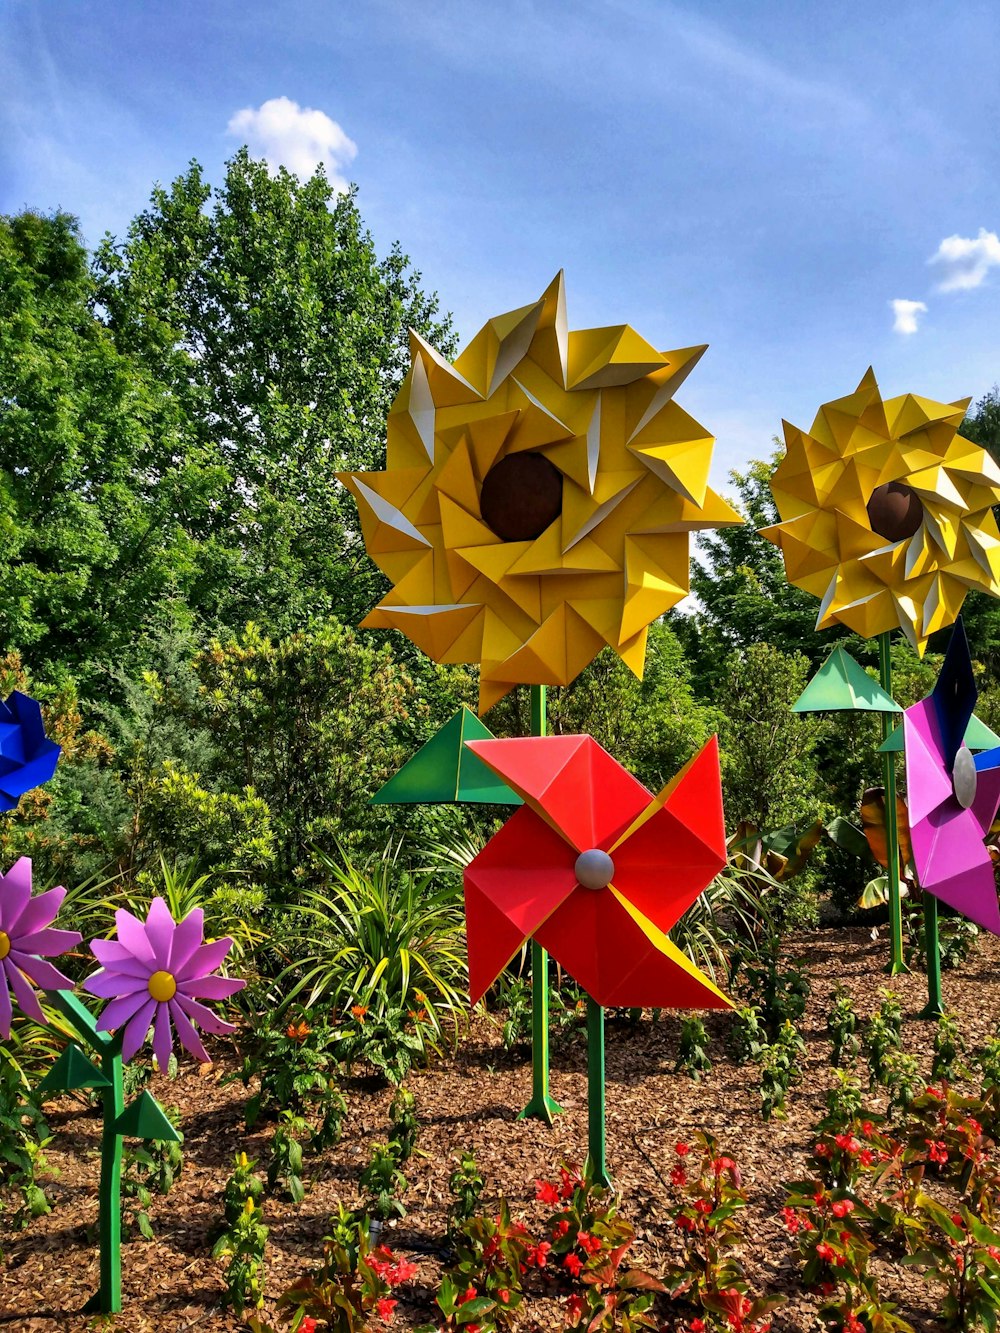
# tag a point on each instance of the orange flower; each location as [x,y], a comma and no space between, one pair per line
[359,1011]
[298,1032]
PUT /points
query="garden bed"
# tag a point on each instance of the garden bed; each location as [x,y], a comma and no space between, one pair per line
[470,1103]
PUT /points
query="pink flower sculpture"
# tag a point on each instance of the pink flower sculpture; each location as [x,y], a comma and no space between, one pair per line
[24,935]
[154,975]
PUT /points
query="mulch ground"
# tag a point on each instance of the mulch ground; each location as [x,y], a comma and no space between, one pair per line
[470,1103]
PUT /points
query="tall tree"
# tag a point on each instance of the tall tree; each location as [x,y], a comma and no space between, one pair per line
[103,499]
[265,306]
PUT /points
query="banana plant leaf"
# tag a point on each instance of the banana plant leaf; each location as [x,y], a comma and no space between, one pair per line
[849,838]
[873,825]
[782,852]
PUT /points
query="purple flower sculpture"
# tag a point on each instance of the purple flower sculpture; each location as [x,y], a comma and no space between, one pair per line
[154,975]
[24,936]
[27,756]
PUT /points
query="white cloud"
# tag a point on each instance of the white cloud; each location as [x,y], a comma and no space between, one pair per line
[299,138]
[907,314]
[965,260]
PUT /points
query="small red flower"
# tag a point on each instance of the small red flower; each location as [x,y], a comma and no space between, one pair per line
[697,1326]
[702,1206]
[679,1176]
[588,1243]
[469,1294]
[568,1183]
[541,1253]
[842,1208]
[867,1129]
[847,1142]
[682,1149]
[308,1325]
[824,1251]
[866,1157]
[723,1164]
[937,1150]
[503,1295]
[574,1263]
[546,1192]
[791,1220]
[383,1308]
[560,1229]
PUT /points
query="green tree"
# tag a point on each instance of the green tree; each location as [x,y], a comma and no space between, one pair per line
[283,335]
[103,499]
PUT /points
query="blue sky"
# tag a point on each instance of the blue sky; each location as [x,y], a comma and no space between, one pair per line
[767,178]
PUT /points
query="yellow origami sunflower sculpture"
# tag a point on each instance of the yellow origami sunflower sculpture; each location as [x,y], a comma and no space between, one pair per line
[537,497]
[886,513]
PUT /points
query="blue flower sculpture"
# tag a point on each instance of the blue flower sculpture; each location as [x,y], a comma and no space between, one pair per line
[27,756]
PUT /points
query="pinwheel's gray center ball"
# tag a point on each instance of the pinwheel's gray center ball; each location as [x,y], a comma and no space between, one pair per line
[521,495]
[964,777]
[895,511]
[594,869]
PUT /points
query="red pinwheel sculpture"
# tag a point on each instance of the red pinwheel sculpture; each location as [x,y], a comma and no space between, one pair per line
[597,870]
[952,797]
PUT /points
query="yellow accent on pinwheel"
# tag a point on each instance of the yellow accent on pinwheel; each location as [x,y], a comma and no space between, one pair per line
[162,987]
[822,488]
[598,404]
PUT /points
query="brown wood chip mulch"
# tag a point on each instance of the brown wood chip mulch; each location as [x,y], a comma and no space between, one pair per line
[467,1103]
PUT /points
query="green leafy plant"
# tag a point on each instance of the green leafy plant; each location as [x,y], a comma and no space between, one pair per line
[881,1035]
[383,1184]
[404,1127]
[747,1037]
[285,1163]
[779,1069]
[483,1283]
[841,1024]
[23,1136]
[466,1187]
[243,1246]
[389,1042]
[148,1166]
[987,1061]
[902,1079]
[243,1184]
[949,1046]
[962,1253]
[778,991]
[296,1066]
[692,1056]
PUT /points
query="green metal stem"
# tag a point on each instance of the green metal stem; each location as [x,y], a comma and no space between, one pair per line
[896,963]
[597,1165]
[934,1007]
[108,1299]
[542,1105]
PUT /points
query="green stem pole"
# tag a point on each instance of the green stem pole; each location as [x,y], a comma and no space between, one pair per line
[597,1164]
[108,1299]
[932,950]
[542,1105]
[896,963]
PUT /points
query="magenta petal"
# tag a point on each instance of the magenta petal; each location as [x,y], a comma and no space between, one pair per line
[116,958]
[189,1038]
[49,942]
[41,973]
[202,1016]
[188,935]
[15,893]
[161,1037]
[106,985]
[121,1010]
[160,927]
[6,1011]
[40,911]
[23,993]
[211,988]
[132,934]
[204,960]
[136,1029]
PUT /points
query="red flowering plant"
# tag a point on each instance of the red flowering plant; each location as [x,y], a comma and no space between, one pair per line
[708,1277]
[483,1287]
[955,1136]
[962,1252]
[350,1292]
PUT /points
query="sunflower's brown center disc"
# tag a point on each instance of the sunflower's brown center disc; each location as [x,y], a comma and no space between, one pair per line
[895,511]
[521,496]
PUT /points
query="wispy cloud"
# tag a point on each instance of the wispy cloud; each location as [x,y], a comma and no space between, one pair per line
[965,260]
[907,315]
[296,137]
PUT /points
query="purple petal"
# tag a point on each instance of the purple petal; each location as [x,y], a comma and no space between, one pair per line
[15,893]
[132,935]
[160,927]
[24,995]
[41,973]
[161,1037]
[6,1012]
[48,942]
[40,911]
[204,1017]
[211,988]
[116,958]
[106,985]
[204,960]
[136,1029]
[121,1010]
[189,1039]
[188,935]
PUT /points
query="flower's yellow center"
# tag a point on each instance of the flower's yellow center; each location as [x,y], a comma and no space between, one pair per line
[162,986]
[4,944]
